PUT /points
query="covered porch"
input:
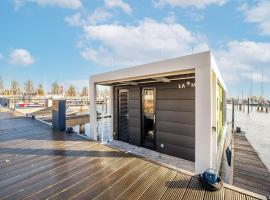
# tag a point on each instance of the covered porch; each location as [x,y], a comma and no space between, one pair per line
[208,129]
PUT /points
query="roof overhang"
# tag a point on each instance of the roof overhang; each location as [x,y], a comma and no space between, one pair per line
[160,71]
[164,77]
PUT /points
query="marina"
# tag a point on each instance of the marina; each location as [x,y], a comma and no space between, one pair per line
[130,121]
[135,100]
[256,126]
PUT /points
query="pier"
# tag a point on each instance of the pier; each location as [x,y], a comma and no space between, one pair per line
[37,163]
[248,172]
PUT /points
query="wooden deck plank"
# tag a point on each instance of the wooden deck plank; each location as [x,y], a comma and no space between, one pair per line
[46,164]
[250,187]
[232,195]
[32,158]
[120,186]
[159,186]
[22,145]
[136,190]
[81,180]
[33,165]
[47,178]
[101,185]
[249,172]
[58,178]
[251,198]
[259,178]
[43,149]
[38,134]
[194,190]
[177,187]
[31,139]
[214,195]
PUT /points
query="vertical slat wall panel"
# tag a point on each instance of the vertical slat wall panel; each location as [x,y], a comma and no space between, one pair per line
[135,115]
[115,113]
[175,119]
[134,111]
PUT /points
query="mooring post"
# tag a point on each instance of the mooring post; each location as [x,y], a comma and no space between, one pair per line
[106,105]
[248,105]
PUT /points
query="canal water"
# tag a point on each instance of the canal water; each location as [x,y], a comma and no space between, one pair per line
[256,125]
[104,125]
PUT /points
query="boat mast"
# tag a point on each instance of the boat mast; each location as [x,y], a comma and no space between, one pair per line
[251,86]
[262,86]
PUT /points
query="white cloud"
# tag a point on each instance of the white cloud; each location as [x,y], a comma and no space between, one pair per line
[199,4]
[70,4]
[75,20]
[99,15]
[259,14]
[243,57]
[170,18]
[1,56]
[118,4]
[21,57]
[147,41]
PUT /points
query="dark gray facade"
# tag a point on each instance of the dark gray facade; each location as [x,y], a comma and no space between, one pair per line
[175,116]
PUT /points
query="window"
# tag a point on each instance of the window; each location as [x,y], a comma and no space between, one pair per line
[221,108]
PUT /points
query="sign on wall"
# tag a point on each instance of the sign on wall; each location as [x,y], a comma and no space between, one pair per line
[187,84]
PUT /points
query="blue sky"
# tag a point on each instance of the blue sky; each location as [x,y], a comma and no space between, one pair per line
[68,40]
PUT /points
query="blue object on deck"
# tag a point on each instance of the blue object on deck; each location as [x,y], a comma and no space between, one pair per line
[210,180]
[210,175]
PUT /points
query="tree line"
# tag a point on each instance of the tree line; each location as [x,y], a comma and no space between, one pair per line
[29,89]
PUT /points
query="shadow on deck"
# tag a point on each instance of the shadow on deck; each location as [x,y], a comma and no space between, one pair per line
[37,163]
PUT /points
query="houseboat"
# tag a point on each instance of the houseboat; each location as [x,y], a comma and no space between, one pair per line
[175,106]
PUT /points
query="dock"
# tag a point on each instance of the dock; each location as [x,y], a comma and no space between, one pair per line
[37,163]
[249,172]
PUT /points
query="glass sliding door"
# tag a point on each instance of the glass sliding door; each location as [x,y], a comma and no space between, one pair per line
[148,117]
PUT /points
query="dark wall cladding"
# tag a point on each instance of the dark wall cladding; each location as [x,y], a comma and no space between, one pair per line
[134,110]
[175,117]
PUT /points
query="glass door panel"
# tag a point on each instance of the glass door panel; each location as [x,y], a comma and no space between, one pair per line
[148,117]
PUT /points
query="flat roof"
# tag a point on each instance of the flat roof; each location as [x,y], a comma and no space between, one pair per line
[170,67]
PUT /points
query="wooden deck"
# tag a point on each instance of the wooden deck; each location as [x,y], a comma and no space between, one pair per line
[37,163]
[249,172]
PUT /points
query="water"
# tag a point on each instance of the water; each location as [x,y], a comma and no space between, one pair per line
[103,127]
[257,128]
